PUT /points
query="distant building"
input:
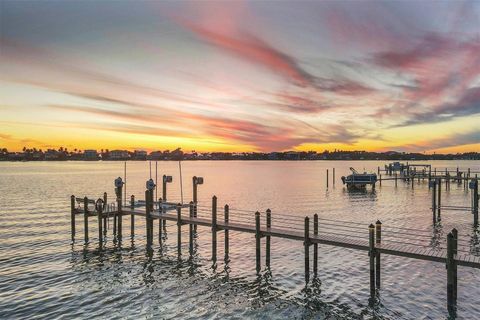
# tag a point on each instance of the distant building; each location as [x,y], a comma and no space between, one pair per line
[52,154]
[156,155]
[140,155]
[90,155]
[118,155]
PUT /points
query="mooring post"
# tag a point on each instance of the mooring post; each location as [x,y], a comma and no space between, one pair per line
[119,212]
[72,216]
[315,245]
[132,217]
[455,252]
[190,230]
[327,178]
[380,180]
[439,198]
[306,244]
[147,217]
[257,241]
[333,177]
[378,170]
[99,209]
[85,218]
[475,201]
[227,245]
[164,187]
[179,230]
[161,222]
[378,243]
[371,253]
[105,206]
[267,238]
[450,275]
[214,229]
[433,183]
[396,179]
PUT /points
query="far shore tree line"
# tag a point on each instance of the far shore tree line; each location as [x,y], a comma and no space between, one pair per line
[64,154]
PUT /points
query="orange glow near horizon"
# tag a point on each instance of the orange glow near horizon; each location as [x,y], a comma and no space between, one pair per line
[242,77]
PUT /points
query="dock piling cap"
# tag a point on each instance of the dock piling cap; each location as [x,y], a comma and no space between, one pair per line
[378,222]
[371,226]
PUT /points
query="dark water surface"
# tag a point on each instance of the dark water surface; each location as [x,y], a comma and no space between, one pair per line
[43,275]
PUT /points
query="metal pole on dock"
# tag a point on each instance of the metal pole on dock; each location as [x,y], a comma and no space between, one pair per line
[72,216]
[378,241]
[214,229]
[267,238]
[315,245]
[85,218]
[227,244]
[179,230]
[306,244]
[132,217]
[257,241]
[190,230]
[371,253]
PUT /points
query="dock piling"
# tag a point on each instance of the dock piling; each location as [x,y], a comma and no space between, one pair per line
[333,177]
[132,217]
[105,204]
[190,230]
[257,241]
[378,241]
[267,238]
[327,178]
[85,218]
[433,184]
[227,244]
[179,230]
[306,244]
[214,229]
[315,245]
[147,218]
[451,306]
[99,209]
[119,211]
[72,216]
[371,253]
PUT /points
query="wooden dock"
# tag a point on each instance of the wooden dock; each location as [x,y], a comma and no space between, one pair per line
[376,239]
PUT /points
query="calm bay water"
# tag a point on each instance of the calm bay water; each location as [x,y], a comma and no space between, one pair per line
[43,275]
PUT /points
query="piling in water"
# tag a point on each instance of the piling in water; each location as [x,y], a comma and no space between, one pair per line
[214,229]
[378,241]
[315,246]
[257,242]
[267,238]
[179,230]
[306,244]
[227,245]
[132,217]
[85,218]
[190,230]
[72,216]
[371,253]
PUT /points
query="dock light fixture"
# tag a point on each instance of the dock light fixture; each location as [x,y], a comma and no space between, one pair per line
[167,179]
[150,184]
[118,182]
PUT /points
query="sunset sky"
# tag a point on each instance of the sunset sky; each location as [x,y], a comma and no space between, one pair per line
[240,76]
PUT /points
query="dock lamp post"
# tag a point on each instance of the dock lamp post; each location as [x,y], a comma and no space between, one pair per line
[166,179]
[118,216]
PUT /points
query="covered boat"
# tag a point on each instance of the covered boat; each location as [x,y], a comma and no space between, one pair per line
[359,180]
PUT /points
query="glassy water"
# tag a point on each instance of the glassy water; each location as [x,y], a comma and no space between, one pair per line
[44,275]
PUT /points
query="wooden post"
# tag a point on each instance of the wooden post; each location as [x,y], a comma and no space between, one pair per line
[306,244]
[179,230]
[119,213]
[85,218]
[257,241]
[147,218]
[190,230]
[378,170]
[327,178]
[195,199]
[267,238]
[475,201]
[226,217]
[105,208]
[132,217]
[100,216]
[450,274]
[439,198]
[164,188]
[72,216]
[378,241]
[455,252]
[395,179]
[315,245]
[434,200]
[371,253]
[333,177]
[161,222]
[380,180]
[214,229]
